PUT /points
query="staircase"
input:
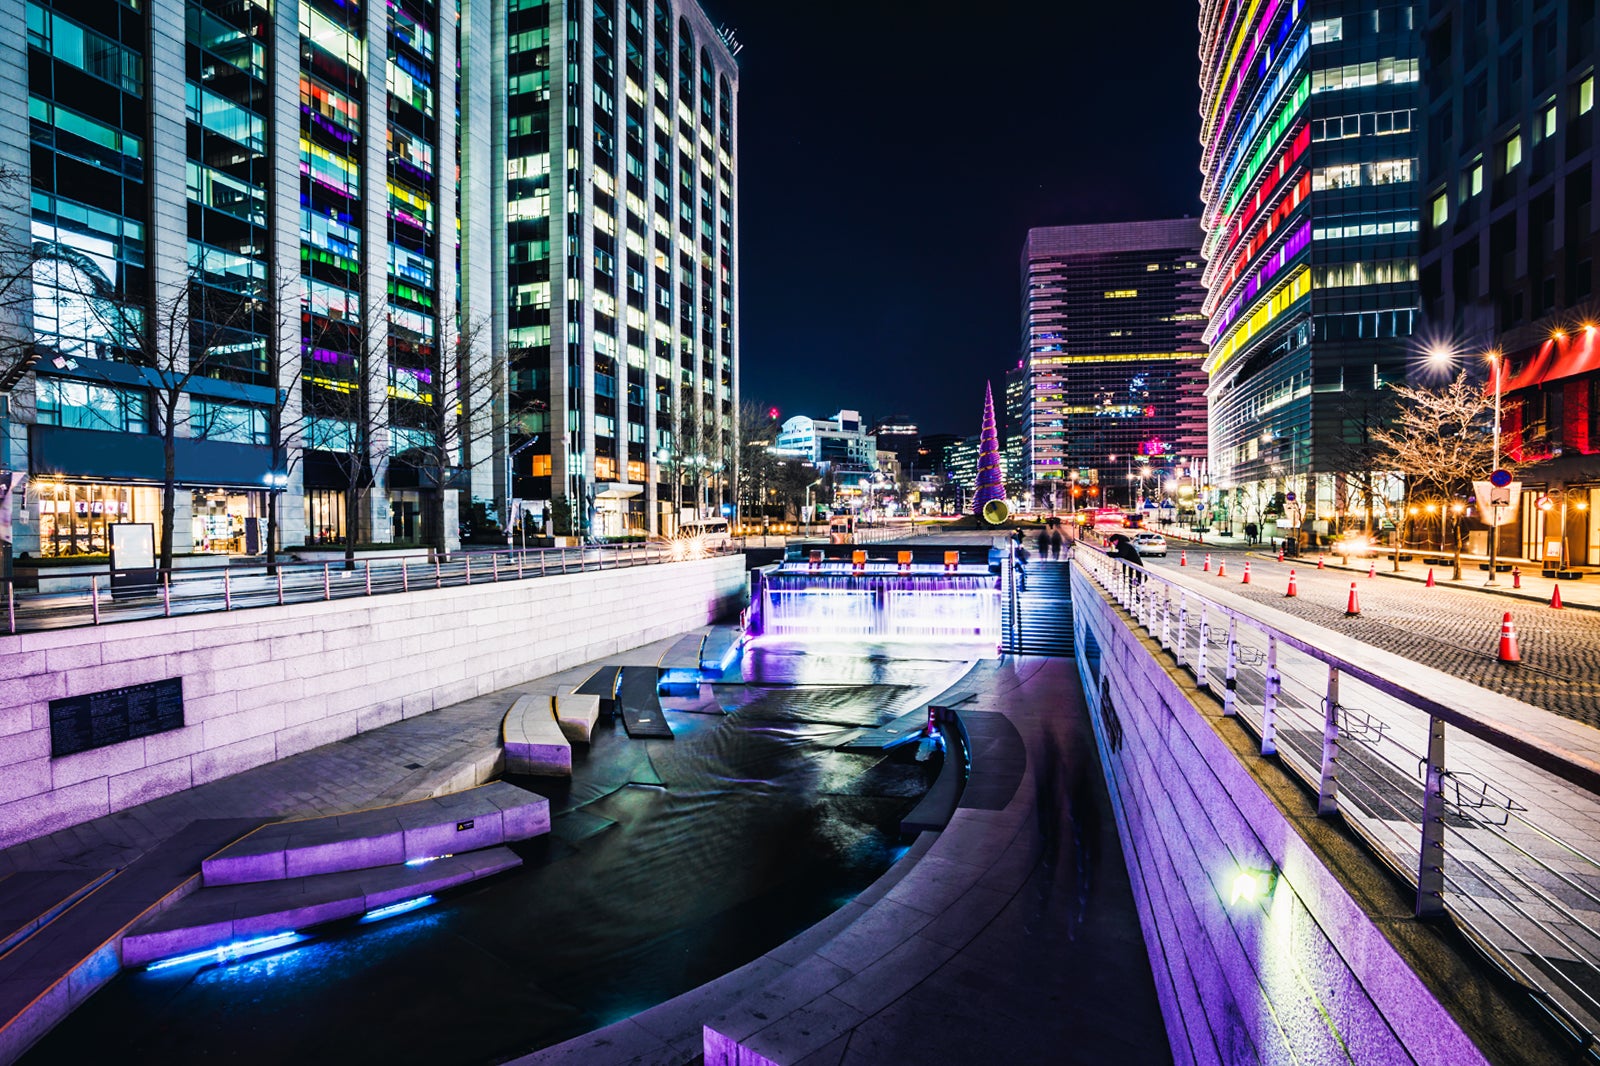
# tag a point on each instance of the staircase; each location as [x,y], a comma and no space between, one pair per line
[1037,620]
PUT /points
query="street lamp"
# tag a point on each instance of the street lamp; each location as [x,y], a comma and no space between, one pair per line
[1442,357]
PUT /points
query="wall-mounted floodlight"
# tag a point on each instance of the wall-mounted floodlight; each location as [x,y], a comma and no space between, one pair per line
[1253,886]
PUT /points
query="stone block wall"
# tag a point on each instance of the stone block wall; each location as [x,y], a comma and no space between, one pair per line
[265,683]
[1303,975]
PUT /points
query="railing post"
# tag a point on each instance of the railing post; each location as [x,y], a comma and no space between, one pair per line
[1328,789]
[327,584]
[405,575]
[438,577]
[94,597]
[279,570]
[1166,618]
[541,562]
[1430,867]
[11,607]
[468,560]
[227,590]
[494,568]
[1271,683]
[1200,675]
[1183,626]
[166,595]
[519,565]
[1230,674]
[367,572]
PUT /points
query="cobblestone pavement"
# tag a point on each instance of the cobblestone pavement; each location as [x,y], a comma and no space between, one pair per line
[1456,630]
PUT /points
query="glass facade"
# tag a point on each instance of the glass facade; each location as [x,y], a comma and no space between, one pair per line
[1112,335]
[1309,162]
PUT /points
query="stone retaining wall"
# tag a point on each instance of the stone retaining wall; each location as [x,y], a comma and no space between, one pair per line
[265,683]
[1303,975]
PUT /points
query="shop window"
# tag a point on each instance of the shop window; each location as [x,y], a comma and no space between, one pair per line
[73,518]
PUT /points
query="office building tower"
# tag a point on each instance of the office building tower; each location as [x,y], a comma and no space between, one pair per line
[1309,167]
[621,210]
[1509,241]
[310,245]
[1112,342]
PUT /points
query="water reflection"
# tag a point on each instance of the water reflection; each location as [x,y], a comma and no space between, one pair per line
[669,863]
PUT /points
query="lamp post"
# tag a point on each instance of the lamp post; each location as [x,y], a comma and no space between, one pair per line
[1496,365]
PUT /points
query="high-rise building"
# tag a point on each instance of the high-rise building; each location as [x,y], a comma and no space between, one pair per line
[1014,434]
[621,203]
[1112,340]
[1510,237]
[305,236]
[1309,165]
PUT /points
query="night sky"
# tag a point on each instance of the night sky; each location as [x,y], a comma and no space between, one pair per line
[894,153]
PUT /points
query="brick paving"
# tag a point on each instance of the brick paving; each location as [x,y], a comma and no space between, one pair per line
[1452,629]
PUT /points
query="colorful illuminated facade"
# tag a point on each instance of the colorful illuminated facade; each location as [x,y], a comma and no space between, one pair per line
[1509,242]
[1310,176]
[329,223]
[1112,345]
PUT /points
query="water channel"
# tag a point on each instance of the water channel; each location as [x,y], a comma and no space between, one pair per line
[669,863]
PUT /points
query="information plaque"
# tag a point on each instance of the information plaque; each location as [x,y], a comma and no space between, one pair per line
[80,723]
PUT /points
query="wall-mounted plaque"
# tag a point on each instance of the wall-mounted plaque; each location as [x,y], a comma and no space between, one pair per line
[79,723]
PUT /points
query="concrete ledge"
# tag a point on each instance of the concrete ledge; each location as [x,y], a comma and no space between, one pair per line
[535,742]
[382,836]
[577,713]
[216,916]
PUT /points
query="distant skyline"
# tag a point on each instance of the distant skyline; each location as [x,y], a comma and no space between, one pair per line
[892,160]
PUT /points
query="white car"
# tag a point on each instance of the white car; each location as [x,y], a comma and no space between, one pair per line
[1150,544]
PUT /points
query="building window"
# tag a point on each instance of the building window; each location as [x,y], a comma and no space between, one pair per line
[84,405]
[1512,152]
[238,423]
[1390,171]
[1325,30]
[1441,210]
[1586,95]
[1343,176]
[1544,124]
[1472,180]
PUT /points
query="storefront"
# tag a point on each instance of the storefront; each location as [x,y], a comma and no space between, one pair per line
[227,521]
[73,516]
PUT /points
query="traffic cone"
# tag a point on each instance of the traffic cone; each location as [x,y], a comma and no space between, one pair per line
[1430,577]
[1372,568]
[1222,568]
[1319,560]
[1516,577]
[1555,598]
[1246,580]
[1293,591]
[1280,555]
[1352,608]
[1206,569]
[1508,641]
[1183,558]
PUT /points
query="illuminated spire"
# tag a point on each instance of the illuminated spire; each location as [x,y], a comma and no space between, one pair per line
[990,485]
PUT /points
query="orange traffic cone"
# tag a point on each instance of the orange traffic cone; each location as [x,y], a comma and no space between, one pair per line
[1430,577]
[1246,580]
[1293,591]
[1280,555]
[1207,568]
[1222,568]
[1372,569]
[1555,597]
[1319,560]
[1508,641]
[1183,558]
[1352,608]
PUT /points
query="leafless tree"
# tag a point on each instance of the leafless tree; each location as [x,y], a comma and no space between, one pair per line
[1438,439]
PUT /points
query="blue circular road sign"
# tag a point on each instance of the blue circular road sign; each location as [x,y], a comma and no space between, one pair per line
[1500,478]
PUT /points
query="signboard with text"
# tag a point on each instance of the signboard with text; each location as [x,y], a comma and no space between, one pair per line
[96,719]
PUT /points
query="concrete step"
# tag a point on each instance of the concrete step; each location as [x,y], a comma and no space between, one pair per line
[49,974]
[534,740]
[31,899]
[213,917]
[383,836]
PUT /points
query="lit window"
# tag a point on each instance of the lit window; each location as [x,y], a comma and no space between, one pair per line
[1390,171]
[1441,210]
[1586,95]
[1325,30]
[1513,152]
[1547,121]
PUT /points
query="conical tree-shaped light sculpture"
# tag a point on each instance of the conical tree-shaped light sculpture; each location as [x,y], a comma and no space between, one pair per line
[990,484]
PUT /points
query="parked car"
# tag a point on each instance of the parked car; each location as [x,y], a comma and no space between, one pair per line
[1148,543]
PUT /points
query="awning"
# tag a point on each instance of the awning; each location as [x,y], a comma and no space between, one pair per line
[615,490]
[1554,359]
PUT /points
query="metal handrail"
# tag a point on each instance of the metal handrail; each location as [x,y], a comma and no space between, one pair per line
[1305,705]
[204,590]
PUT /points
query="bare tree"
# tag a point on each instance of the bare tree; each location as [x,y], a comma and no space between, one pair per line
[1439,439]
[758,464]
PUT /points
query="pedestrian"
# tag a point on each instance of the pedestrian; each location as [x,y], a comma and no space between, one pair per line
[1044,543]
[1250,531]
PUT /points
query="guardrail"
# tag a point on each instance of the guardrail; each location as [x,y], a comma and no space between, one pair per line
[235,588]
[1494,829]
